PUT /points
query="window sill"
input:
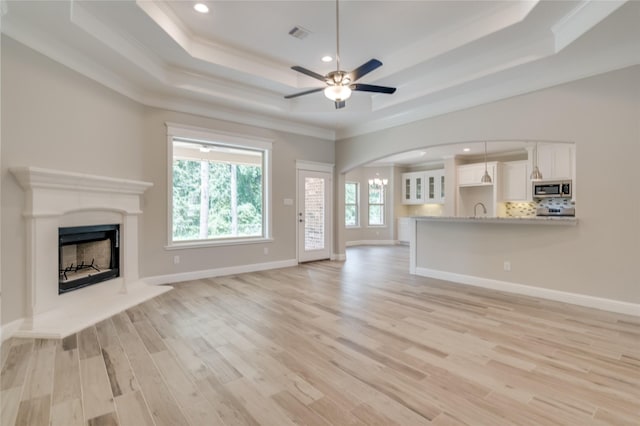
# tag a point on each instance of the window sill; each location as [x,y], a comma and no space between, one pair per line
[222,243]
[376,226]
[353,227]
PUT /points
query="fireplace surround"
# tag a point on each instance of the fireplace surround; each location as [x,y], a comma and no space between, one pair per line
[57,200]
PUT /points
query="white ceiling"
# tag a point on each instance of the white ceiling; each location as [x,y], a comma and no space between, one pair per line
[234,63]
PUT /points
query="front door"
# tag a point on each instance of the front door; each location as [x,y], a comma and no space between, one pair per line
[314,215]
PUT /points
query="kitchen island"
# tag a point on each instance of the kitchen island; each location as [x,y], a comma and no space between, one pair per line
[512,254]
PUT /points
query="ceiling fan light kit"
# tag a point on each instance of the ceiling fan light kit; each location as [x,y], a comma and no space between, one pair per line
[340,83]
[337,93]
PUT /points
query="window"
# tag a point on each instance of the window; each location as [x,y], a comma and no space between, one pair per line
[351,201]
[218,191]
[376,204]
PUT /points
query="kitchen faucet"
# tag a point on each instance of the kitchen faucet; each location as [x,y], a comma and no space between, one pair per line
[484,209]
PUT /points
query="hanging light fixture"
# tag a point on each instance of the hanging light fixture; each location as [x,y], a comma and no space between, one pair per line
[485,177]
[535,173]
[378,182]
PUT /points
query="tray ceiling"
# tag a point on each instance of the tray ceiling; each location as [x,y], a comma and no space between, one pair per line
[234,62]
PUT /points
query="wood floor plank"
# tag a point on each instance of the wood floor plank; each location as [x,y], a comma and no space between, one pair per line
[9,403]
[66,377]
[4,351]
[109,419]
[163,407]
[121,377]
[260,407]
[298,412]
[34,412]
[88,345]
[67,413]
[16,366]
[97,398]
[195,406]
[228,408]
[107,334]
[132,410]
[39,379]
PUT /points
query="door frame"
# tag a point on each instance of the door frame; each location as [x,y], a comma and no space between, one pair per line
[313,166]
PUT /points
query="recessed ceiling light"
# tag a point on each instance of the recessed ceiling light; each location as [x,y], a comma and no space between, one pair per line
[327,59]
[467,149]
[201,7]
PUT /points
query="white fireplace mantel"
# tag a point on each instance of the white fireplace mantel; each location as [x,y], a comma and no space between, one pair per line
[55,199]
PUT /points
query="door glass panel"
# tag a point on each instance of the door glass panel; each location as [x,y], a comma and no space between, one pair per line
[418,188]
[442,187]
[407,189]
[314,213]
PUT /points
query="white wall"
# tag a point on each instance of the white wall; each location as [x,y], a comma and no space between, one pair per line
[52,117]
[598,257]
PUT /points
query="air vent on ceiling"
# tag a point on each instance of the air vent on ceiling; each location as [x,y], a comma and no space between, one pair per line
[299,32]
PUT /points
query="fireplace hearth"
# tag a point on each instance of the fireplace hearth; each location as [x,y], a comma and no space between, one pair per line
[87,255]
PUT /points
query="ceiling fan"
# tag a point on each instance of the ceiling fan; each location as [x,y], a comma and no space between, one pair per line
[340,83]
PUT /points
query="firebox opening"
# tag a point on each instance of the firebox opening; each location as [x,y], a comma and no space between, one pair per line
[87,255]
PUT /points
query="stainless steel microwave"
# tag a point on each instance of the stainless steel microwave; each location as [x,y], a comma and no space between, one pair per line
[552,189]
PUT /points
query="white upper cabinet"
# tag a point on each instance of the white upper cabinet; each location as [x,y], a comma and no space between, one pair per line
[471,174]
[413,185]
[434,191]
[516,185]
[423,187]
[556,161]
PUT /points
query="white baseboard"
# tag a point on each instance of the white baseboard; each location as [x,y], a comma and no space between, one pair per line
[218,272]
[9,329]
[527,290]
[370,243]
[340,257]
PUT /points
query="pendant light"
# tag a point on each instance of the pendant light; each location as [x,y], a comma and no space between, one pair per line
[535,173]
[485,177]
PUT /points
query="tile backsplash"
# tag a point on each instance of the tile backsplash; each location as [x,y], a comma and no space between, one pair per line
[513,209]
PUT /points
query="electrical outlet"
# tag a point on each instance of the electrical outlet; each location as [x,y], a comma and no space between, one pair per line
[507,266]
[266,250]
[176,260]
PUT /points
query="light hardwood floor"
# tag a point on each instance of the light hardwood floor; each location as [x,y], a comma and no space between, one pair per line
[355,343]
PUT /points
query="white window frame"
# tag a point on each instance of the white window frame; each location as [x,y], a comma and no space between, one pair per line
[232,140]
[383,204]
[357,204]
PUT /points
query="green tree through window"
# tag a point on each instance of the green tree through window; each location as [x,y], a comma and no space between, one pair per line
[217,192]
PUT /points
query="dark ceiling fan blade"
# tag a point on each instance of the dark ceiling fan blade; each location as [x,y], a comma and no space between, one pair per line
[372,88]
[306,92]
[340,104]
[309,73]
[364,69]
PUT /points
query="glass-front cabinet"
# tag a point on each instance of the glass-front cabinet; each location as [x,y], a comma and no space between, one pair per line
[435,186]
[413,188]
[423,187]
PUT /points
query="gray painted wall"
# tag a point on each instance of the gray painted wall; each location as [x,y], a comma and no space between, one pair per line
[599,257]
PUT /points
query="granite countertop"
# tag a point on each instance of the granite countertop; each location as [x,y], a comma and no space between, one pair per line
[537,220]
